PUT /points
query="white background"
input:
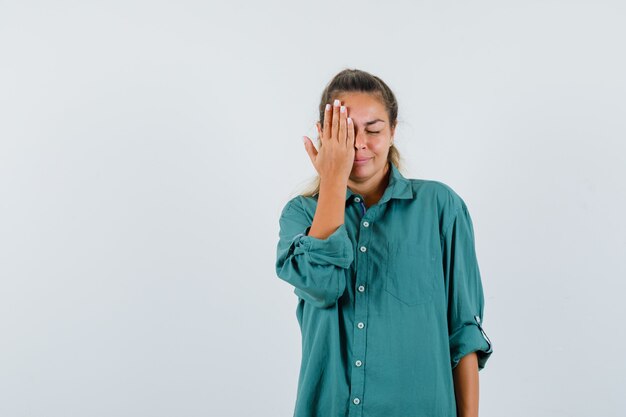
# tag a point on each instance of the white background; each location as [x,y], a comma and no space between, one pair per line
[147,148]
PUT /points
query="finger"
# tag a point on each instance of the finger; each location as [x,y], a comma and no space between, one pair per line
[335,123]
[350,142]
[342,125]
[328,113]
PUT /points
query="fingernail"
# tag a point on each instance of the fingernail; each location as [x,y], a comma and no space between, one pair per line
[343,109]
[327,106]
[336,103]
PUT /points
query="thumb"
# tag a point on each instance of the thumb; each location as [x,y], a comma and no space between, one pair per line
[310,149]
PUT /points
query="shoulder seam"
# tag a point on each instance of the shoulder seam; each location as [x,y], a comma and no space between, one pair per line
[453,217]
[291,203]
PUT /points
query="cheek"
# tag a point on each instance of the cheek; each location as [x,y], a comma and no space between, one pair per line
[379,145]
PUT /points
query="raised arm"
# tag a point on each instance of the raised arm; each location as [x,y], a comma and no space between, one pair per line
[315,256]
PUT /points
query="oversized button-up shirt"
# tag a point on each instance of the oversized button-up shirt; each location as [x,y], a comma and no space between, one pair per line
[387,305]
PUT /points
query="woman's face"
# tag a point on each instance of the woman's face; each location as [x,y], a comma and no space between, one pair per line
[372,134]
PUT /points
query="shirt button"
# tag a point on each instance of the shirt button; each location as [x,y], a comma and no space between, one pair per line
[356,401]
[363,248]
[358,363]
[360,325]
[357,199]
[366,224]
[361,288]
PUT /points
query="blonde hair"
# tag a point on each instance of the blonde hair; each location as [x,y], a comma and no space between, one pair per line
[354,80]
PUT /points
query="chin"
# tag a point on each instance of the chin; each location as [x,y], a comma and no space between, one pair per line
[362,172]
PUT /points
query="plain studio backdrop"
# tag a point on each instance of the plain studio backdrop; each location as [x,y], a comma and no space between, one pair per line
[147,149]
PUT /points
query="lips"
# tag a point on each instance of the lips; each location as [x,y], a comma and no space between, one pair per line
[361,162]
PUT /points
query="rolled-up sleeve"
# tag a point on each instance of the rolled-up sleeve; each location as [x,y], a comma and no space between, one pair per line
[464,290]
[317,268]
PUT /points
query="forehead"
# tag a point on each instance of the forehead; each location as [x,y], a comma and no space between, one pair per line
[363,106]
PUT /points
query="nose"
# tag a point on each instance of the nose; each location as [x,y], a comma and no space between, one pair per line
[359,140]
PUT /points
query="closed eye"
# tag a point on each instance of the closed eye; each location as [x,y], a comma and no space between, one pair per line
[373,132]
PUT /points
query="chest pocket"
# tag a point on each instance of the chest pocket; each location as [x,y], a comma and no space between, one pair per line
[410,273]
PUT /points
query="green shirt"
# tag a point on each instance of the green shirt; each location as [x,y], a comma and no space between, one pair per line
[387,304]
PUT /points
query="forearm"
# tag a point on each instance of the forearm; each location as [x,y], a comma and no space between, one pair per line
[330,211]
[466,386]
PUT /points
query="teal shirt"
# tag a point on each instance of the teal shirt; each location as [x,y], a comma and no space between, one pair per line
[387,304]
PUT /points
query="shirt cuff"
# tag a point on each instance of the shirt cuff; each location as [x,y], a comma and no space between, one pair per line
[470,338]
[336,249]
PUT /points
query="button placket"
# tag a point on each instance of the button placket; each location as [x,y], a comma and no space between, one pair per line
[360,315]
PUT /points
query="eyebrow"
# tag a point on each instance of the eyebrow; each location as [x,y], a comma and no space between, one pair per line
[374,121]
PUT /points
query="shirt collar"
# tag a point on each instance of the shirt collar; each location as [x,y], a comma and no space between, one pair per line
[398,187]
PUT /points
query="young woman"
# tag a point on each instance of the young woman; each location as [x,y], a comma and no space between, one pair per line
[390,299]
